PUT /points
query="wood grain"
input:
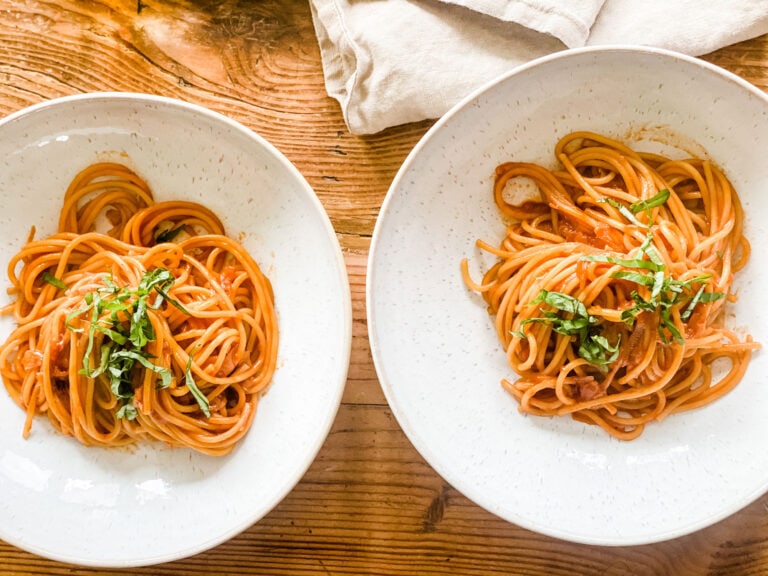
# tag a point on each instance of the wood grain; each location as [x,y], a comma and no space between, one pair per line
[369,504]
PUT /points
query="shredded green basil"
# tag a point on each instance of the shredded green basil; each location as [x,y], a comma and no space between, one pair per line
[658,199]
[201,399]
[649,271]
[169,235]
[53,281]
[571,318]
[123,344]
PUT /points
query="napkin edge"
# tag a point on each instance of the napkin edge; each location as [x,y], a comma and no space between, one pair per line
[341,57]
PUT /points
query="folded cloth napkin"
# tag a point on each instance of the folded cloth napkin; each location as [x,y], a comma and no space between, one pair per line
[389,62]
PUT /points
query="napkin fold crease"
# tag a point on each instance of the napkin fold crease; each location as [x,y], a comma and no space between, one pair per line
[389,62]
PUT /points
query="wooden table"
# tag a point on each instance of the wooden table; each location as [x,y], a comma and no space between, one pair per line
[369,504]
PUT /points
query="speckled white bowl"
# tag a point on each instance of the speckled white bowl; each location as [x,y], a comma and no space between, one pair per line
[434,347]
[152,504]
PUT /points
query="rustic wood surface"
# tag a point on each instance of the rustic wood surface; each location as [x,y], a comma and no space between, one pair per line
[369,504]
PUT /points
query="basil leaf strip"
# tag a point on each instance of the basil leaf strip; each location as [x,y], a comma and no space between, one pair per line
[53,281]
[189,380]
[657,199]
[593,347]
[168,235]
[624,211]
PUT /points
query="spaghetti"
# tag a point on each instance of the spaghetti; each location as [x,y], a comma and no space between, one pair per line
[610,286]
[161,328]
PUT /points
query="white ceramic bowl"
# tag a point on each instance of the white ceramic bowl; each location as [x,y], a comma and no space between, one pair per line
[152,504]
[437,355]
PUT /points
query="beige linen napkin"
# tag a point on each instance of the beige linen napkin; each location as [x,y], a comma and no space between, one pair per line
[389,62]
